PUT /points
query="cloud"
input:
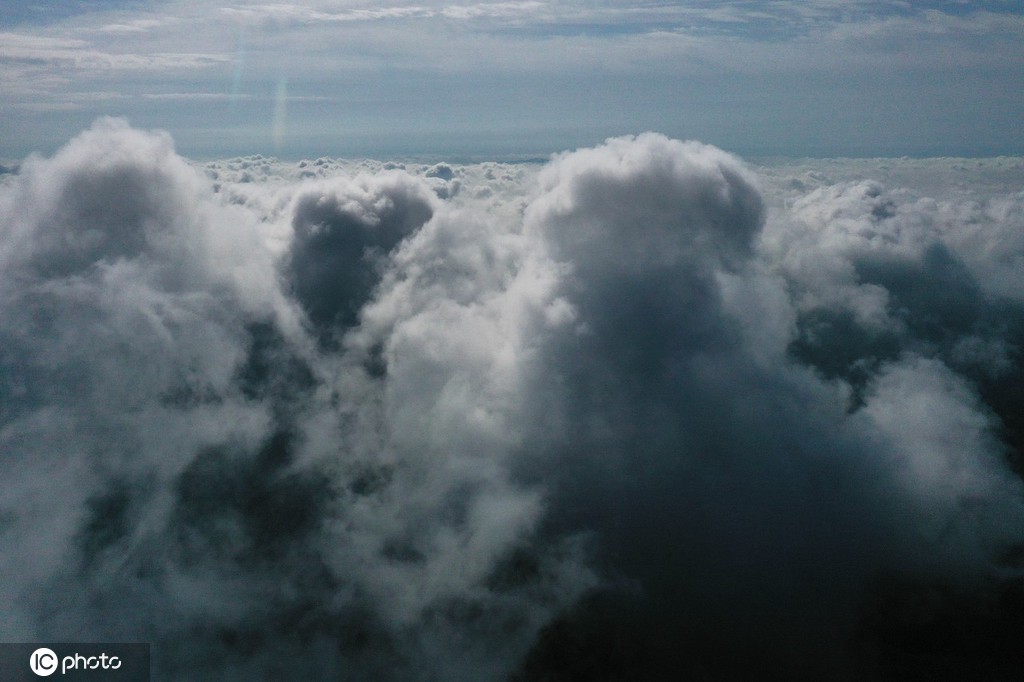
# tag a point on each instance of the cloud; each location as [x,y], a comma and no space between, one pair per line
[195,96]
[80,54]
[215,481]
[701,457]
[134,26]
[619,65]
[286,13]
[639,412]
[340,236]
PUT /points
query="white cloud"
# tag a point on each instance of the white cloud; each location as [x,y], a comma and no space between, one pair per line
[81,54]
[207,96]
[134,26]
[257,406]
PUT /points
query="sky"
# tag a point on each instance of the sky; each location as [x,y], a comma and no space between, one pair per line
[519,79]
[515,341]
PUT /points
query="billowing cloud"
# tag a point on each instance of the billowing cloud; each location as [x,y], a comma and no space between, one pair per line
[638,412]
[340,235]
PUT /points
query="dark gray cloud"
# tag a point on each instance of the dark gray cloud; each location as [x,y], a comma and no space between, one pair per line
[750,514]
[342,237]
[630,415]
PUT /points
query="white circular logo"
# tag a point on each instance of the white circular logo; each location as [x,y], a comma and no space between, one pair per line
[43,662]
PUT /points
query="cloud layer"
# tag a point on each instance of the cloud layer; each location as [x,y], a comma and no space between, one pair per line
[508,79]
[642,411]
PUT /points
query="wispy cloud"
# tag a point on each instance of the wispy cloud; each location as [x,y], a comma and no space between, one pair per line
[193,96]
[135,25]
[651,65]
[83,55]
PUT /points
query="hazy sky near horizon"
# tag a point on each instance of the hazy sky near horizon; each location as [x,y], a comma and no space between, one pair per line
[816,78]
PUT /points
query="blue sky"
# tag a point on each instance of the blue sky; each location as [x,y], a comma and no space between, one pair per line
[505,79]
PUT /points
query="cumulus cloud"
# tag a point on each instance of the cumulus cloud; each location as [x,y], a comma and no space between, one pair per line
[339,234]
[642,411]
